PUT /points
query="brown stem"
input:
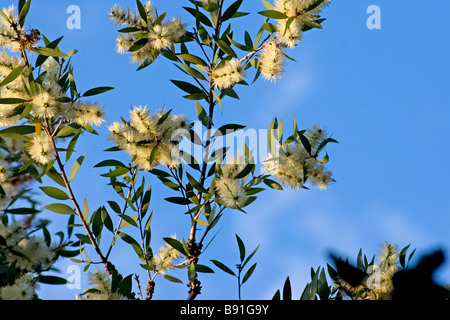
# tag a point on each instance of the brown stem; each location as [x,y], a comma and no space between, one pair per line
[109,267]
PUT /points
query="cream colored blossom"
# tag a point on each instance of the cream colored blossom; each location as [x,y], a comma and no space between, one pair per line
[101,284]
[231,192]
[5,171]
[272,61]
[85,113]
[42,150]
[166,258]
[24,288]
[229,74]
[150,139]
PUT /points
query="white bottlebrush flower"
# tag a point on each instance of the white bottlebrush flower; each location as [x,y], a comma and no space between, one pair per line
[42,150]
[160,36]
[5,171]
[272,61]
[45,105]
[7,115]
[101,283]
[142,121]
[24,288]
[124,42]
[316,135]
[37,255]
[291,36]
[318,175]
[121,16]
[149,139]
[12,233]
[233,166]
[85,113]
[231,192]
[228,75]
[388,255]
[166,258]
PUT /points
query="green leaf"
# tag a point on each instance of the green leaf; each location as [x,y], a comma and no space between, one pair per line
[116,172]
[246,171]
[128,30]
[192,58]
[324,160]
[273,14]
[250,256]
[193,72]
[287,291]
[191,272]
[76,166]
[12,76]
[83,238]
[187,87]
[171,278]
[95,91]
[59,208]
[249,273]
[12,100]
[21,211]
[128,239]
[125,286]
[23,13]
[116,208]
[268,5]
[178,200]
[277,296]
[55,193]
[128,219]
[314,5]
[194,183]
[273,184]
[52,280]
[228,128]
[110,163]
[203,269]
[231,10]
[241,248]
[177,245]
[402,256]
[238,45]
[202,115]
[201,17]
[49,52]
[67,130]
[142,11]
[19,130]
[139,44]
[223,267]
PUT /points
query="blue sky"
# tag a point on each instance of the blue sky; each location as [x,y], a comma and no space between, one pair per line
[383,94]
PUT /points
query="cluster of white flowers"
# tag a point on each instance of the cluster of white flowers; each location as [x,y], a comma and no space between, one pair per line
[30,254]
[377,285]
[7,33]
[159,34]
[101,288]
[230,190]
[272,61]
[45,104]
[229,74]
[150,139]
[386,267]
[42,150]
[289,34]
[166,258]
[35,255]
[293,166]
[24,288]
